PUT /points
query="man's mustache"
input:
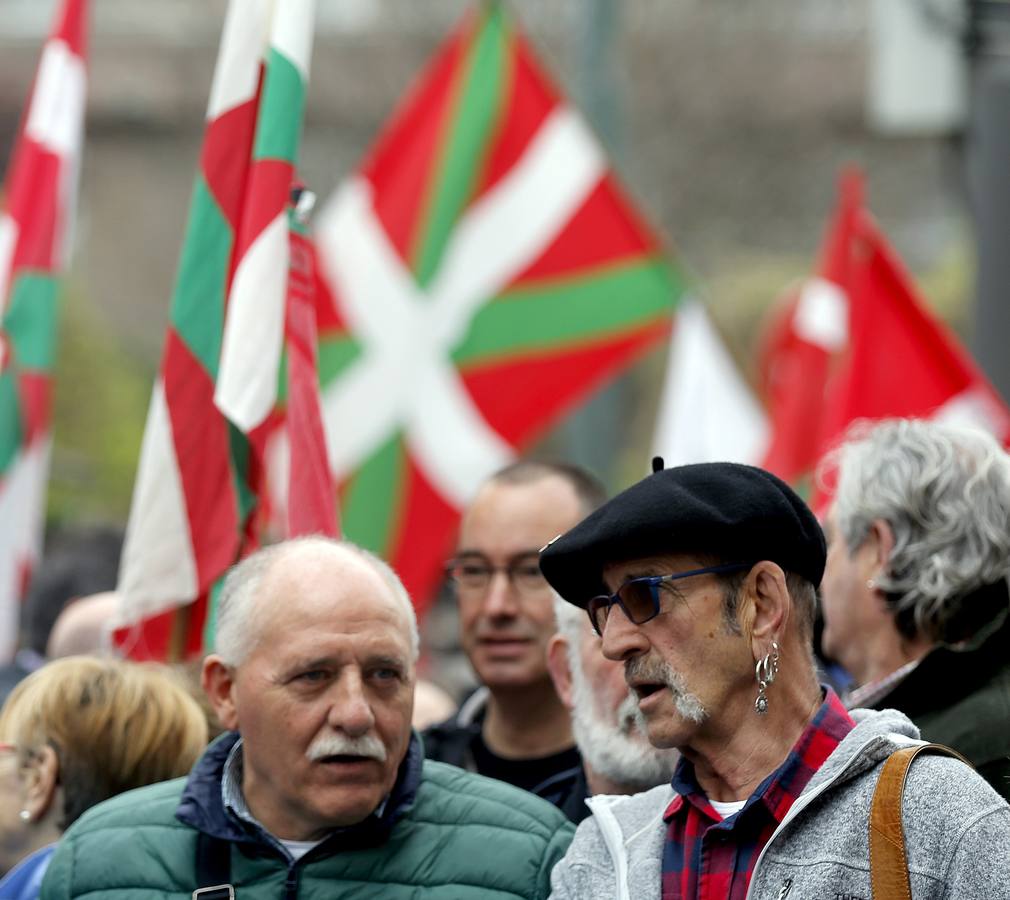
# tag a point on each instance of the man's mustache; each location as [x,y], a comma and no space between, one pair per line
[367,745]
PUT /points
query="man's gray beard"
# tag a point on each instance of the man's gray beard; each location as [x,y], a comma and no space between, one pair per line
[618,750]
[688,705]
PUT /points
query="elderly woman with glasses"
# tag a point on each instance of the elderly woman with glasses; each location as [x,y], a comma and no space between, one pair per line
[702,581]
[915,588]
[76,732]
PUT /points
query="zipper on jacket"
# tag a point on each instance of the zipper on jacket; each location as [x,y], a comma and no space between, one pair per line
[291,883]
[805,799]
[787,886]
[613,840]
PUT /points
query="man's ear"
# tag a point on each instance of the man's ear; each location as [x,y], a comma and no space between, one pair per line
[41,778]
[557,665]
[218,680]
[768,607]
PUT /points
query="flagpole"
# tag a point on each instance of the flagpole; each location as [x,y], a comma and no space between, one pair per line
[180,629]
[591,435]
[986,165]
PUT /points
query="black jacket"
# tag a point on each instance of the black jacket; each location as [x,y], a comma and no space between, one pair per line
[961,698]
[568,792]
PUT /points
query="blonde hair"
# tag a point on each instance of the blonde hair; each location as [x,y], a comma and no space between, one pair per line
[113,725]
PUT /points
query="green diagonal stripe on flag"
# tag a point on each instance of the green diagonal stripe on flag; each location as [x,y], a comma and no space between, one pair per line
[570,312]
[465,145]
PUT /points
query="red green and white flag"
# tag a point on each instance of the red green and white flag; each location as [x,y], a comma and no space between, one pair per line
[884,354]
[200,471]
[36,221]
[485,274]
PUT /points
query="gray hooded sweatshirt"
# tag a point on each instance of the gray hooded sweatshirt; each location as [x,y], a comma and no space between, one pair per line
[957,831]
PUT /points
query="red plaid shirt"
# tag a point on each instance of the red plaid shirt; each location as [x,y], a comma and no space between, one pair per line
[708,857]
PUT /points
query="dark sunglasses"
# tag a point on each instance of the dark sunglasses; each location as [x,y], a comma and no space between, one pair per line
[639,597]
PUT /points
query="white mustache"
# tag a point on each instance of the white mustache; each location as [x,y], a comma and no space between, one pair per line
[647,669]
[367,745]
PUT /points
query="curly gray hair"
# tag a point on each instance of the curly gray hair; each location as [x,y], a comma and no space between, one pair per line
[945,492]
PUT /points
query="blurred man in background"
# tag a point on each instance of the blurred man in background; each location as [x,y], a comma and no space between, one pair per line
[610,734]
[915,590]
[515,728]
[77,563]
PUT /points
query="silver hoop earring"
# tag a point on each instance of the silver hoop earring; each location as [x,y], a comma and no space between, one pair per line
[765,671]
[25,815]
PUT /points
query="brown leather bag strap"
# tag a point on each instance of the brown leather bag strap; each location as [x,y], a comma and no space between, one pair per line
[888,861]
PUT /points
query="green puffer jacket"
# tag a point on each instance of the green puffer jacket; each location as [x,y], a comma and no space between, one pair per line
[452,835]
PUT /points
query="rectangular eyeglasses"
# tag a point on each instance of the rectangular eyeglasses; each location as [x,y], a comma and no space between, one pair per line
[639,597]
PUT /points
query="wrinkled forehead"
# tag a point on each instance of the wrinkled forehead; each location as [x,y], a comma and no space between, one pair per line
[328,588]
[616,573]
[533,511]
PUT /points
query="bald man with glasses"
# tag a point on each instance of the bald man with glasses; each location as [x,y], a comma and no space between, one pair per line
[514,727]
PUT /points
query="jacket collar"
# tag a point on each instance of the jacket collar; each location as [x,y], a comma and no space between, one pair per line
[876,736]
[949,673]
[471,711]
[201,806]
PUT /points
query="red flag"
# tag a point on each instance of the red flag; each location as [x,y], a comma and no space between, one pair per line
[902,361]
[801,345]
[890,358]
[311,496]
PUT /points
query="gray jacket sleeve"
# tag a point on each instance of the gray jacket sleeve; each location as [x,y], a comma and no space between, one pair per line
[957,831]
[587,869]
[980,861]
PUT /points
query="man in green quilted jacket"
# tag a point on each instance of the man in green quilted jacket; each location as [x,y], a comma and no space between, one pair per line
[319,789]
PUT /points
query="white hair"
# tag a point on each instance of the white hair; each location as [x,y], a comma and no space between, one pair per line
[569,620]
[605,741]
[945,493]
[236,628]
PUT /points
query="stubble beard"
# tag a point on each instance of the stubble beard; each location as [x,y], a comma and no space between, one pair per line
[687,704]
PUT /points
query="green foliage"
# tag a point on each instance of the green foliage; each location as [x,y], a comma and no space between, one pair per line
[100,405]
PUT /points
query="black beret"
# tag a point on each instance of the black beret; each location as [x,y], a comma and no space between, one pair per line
[734,512]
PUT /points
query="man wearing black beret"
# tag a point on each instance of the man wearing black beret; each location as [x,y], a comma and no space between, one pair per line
[702,580]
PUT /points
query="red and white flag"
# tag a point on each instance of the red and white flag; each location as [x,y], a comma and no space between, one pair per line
[857,342]
[200,478]
[36,221]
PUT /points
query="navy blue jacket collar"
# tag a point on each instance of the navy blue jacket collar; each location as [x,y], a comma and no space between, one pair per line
[201,807]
